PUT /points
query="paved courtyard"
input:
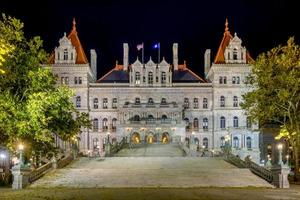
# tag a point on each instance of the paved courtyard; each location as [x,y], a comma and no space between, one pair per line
[126,172]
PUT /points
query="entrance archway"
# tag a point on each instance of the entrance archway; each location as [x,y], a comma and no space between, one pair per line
[165,139]
[150,138]
[136,138]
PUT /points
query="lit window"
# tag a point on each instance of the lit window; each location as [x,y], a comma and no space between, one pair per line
[205,124]
[105,103]
[137,78]
[186,103]
[104,124]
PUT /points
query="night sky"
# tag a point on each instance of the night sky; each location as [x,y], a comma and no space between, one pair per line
[196,25]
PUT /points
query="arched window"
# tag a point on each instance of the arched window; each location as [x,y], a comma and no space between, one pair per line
[78,102]
[248,142]
[222,142]
[137,78]
[236,142]
[205,103]
[150,101]
[114,103]
[163,78]
[222,101]
[235,101]
[196,123]
[222,122]
[65,54]
[95,124]
[163,101]
[164,118]
[248,122]
[205,124]
[205,143]
[104,124]
[196,103]
[235,54]
[96,143]
[187,124]
[105,102]
[114,124]
[235,122]
[95,103]
[186,103]
[150,78]
[136,118]
[137,100]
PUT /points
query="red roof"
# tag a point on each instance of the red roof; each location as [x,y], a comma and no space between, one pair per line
[220,59]
[73,36]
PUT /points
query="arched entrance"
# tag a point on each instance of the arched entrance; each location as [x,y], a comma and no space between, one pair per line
[165,139]
[150,138]
[136,138]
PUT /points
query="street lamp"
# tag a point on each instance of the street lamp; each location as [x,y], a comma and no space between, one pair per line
[279,146]
[287,159]
[21,148]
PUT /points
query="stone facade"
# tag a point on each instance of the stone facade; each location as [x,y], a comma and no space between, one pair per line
[162,102]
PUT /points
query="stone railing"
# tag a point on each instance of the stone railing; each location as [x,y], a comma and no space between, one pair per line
[39,172]
[117,146]
[235,161]
[65,161]
[259,170]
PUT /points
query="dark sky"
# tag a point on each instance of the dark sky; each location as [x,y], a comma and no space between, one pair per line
[194,24]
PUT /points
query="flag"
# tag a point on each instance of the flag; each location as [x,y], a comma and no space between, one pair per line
[140,46]
[156,46]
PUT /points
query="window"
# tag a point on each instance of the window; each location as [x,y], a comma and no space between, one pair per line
[205,124]
[236,142]
[163,78]
[157,79]
[205,103]
[114,124]
[235,101]
[65,54]
[78,102]
[105,102]
[75,80]
[248,142]
[58,55]
[196,123]
[205,143]
[248,122]
[95,124]
[235,54]
[96,143]
[196,103]
[163,101]
[164,117]
[233,80]
[237,80]
[235,122]
[144,79]
[187,124]
[186,103]
[137,100]
[150,78]
[222,142]
[136,118]
[137,78]
[104,124]
[96,103]
[221,80]
[150,101]
[114,103]
[222,122]
[79,80]
[224,79]
[222,101]
[71,56]
[65,80]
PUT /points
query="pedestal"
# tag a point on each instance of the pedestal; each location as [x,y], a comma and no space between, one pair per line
[20,177]
[280,176]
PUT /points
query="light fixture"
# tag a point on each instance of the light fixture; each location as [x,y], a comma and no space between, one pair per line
[279,146]
[21,147]
[2,156]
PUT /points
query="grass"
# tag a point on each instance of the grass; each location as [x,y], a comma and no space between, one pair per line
[150,193]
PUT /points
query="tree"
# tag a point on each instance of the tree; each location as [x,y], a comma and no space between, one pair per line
[32,108]
[275,94]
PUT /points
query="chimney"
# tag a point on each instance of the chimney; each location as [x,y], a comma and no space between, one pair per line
[175,56]
[125,56]
[207,61]
[94,61]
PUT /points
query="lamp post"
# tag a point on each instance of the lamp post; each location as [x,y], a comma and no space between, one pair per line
[287,160]
[279,146]
[227,146]
[21,148]
[108,144]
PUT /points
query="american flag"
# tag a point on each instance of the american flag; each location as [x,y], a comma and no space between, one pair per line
[140,46]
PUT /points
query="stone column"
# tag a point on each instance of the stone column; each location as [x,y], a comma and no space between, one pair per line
[20,177]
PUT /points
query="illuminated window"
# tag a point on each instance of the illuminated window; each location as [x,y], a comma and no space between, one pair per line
[137,78]
[105,103]
[104,124]
[186,103]
[205,124]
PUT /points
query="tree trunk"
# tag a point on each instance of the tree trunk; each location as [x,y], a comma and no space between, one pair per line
[296,156]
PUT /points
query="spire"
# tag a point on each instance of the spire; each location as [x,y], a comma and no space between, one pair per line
[226,26]
[74,25]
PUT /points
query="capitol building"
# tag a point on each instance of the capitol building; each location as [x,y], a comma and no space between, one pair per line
[148,102]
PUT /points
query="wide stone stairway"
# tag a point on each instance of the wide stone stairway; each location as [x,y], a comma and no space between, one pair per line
[138,169]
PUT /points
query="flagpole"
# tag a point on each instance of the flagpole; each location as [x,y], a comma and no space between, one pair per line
[143,54]
[158,53]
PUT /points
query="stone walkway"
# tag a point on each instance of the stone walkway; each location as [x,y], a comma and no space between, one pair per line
[127,172]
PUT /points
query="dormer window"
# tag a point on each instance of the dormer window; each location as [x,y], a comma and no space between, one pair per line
[163,78]
[137,78]
[235,54]
[150,78]
[65,54]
